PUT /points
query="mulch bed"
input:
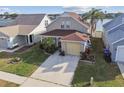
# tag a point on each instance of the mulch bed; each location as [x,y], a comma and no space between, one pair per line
[24,48]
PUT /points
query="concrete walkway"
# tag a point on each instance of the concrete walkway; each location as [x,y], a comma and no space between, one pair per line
[25,81]
[121,67]
[12,77]
[30,82]
[56,70]
[11,51]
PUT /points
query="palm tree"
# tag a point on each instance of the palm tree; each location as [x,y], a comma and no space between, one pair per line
[94,15]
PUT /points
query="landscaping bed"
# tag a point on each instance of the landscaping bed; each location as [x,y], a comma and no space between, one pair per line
[30,60]
[104,74]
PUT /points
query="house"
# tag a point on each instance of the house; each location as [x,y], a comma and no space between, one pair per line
[25,29]
[70,31]
[113,36]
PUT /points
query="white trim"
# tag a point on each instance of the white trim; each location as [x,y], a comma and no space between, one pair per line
[122,46]
[117,41]
[114,27]
[51,36]
[70,41]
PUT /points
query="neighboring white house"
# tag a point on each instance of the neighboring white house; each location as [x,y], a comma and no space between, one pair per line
[25,29]
[113,36]
[71,31]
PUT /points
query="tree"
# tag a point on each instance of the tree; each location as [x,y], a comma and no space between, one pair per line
[94,15]
[13,16]
[6,14]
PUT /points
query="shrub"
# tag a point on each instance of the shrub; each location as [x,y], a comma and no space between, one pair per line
[48,45]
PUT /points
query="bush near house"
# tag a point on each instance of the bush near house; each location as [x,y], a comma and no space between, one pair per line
[48,45]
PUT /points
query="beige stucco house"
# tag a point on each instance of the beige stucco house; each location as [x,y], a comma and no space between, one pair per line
[71,31]
[25,29]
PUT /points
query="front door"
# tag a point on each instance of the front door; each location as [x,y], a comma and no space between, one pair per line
[31,38]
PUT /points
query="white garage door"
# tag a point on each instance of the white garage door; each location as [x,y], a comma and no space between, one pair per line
[73,48]
[3,43]
[120,54]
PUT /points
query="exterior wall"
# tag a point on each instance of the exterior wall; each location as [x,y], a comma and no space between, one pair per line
[41,28]
[105,39]
[116,34]
[73,24]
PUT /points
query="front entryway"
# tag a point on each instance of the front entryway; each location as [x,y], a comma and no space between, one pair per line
[30,39]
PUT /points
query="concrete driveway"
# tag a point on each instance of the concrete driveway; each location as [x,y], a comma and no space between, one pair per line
[57,69]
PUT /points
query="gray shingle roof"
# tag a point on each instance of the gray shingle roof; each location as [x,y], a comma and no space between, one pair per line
[116,21]
[25,19]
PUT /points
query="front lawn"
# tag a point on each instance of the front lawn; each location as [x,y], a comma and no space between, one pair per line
[30,61]
[7,84]
[105,74]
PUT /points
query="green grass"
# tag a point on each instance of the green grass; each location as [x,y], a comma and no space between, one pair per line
[105,74]
[30,61]
[7,84]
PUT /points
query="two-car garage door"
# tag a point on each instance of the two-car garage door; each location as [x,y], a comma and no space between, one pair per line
[3,43]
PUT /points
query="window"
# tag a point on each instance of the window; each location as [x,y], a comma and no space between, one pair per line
[46,22]
[68,24]
[62,25]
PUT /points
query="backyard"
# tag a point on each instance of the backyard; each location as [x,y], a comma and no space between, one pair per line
[104,74]
[30,61]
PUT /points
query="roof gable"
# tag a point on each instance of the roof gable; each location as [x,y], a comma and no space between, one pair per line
[73,15]
[76,37]
[24,19]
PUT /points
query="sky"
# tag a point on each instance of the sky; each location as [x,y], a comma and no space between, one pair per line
[57,9]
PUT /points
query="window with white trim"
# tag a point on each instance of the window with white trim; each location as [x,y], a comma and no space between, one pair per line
[46,23]
[62,25]
[68,23]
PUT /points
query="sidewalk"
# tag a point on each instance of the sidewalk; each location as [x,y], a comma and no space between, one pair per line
[11,51]
[12,77]
[31,82]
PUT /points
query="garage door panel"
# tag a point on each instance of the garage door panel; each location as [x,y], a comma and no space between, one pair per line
[73,48]
[120,54]
[3,43]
